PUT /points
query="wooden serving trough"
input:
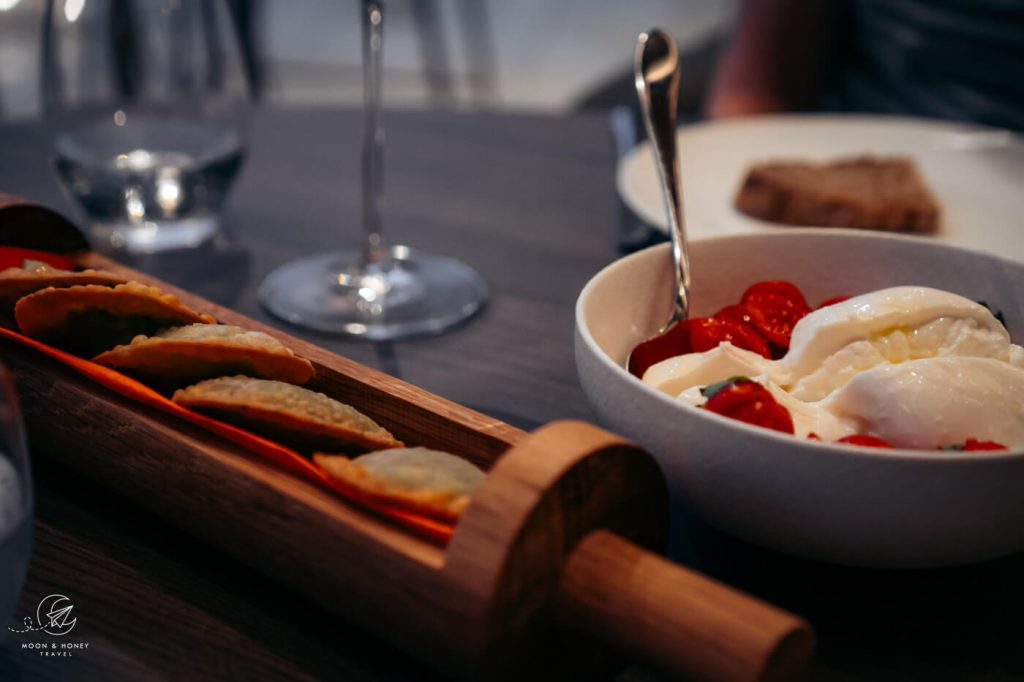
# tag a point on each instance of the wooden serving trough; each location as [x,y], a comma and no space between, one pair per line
[555,554]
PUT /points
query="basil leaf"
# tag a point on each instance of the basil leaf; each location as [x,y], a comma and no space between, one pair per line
[711,389]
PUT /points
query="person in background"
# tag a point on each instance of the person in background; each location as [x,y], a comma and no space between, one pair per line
[952,59]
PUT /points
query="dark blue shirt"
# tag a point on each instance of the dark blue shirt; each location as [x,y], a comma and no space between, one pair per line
[953,59]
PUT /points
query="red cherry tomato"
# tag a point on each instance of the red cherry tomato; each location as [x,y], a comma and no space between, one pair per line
[707,332]
[676,341]
[973,445]
[734,313]
[832,301]
[774,308]
[865,440]
[750,402]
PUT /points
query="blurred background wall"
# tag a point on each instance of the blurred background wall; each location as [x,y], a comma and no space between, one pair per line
[534,55]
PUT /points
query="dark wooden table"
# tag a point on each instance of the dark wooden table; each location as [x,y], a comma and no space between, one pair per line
[530,202]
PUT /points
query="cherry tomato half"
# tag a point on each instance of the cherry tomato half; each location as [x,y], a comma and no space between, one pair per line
[750,402]
[974,445]
[734,313]
[676,341]
[774,308]
[831,301]
[865,440]
[707,332]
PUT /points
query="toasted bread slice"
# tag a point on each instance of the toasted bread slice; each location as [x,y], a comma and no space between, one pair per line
[866,192]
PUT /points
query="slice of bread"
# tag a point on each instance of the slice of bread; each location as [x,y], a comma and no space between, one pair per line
[866,192]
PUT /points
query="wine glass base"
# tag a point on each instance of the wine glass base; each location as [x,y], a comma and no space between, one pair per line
[411,294]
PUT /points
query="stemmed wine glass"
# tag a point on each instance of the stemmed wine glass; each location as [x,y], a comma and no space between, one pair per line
[15,502]
[380,292]
[147,102]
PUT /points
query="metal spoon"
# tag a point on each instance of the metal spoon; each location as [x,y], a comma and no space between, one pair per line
[656,69]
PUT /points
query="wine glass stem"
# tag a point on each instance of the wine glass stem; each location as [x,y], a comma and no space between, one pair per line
[374,250]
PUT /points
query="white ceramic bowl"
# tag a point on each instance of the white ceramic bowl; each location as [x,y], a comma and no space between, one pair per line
[860,506]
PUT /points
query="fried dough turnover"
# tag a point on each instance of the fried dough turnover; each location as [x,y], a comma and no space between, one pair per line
[16,283]
[435,483]
[92,318]
[297,417]
[180,356]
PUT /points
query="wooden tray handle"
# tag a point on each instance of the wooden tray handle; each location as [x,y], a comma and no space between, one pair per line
[676,618]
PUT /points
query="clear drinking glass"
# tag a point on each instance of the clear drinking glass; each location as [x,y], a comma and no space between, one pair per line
[380,292]
[15,502]
[146,101]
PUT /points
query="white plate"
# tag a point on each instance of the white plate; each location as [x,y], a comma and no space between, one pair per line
[976,173]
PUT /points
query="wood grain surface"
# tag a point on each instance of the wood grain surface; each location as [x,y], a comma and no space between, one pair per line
[528,201]
[484,607]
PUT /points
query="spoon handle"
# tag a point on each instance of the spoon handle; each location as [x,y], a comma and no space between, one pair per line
[656,66]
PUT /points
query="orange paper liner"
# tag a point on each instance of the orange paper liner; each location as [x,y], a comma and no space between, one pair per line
[15,257]
[434,529]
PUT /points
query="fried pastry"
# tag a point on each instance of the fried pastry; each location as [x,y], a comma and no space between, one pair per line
[429,481]
[92,318]
[180,356]
[34,275]
[297,417]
